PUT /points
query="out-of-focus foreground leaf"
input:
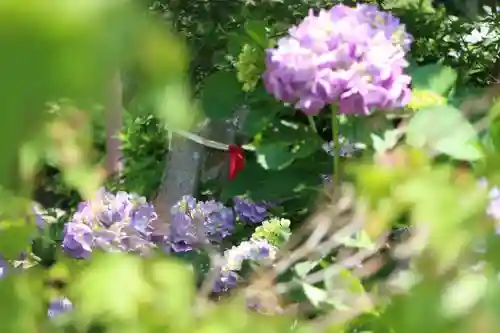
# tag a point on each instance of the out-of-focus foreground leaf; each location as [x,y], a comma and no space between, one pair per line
[69,49]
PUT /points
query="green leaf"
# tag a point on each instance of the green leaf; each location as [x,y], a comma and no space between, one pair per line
[22,303]
[174,293]
[257,119]
[423,6]
[72,53]
[112,286]
[287,132]
[315,295]
[300,178]
[302,268]
[256,30]
[235,43]
[282,142]
[464,294]
[435,77]
[274,156]
[221,94]
[445,130]
[359,240]
[15,236]
[494,133]
[388,142]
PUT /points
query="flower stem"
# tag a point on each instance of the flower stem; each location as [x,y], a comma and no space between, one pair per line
[336,146]
[312,123]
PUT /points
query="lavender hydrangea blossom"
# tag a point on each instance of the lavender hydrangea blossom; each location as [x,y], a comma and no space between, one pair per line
[350,56]
[4,267]
[249,211]
[59,306]
[194,222]
[493,208]
[118,222]
[255,250]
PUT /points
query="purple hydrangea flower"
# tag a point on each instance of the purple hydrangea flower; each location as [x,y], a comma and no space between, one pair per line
[217,219]
[493,209]
[39,220]
[249,211]
[255,250]
[59,306]
[353,57]
[227,280]
[78,240]
[111,222]
[194,222]
[4,267]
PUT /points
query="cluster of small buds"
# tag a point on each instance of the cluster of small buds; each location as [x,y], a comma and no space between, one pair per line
[276,231]
[255,250]
[249,211]
[353,57]
[195,222]
[120,222]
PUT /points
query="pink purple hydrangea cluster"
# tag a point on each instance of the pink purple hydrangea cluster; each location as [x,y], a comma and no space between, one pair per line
[350,56]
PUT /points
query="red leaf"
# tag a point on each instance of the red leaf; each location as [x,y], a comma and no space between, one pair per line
[236,160]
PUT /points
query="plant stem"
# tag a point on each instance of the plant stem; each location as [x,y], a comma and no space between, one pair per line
[336,146]
[312,123]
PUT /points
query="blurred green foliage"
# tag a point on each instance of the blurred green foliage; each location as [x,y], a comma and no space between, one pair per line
[64,52]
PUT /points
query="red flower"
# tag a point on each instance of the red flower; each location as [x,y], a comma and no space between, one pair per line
[236,160]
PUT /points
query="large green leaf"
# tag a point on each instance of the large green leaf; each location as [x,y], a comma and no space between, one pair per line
[70,51]
[280,143]
[221,94]
[256,30]
[435,77]
[174,293]
[275,156]
[444,129]
[494,129]
[423,6]
[22,303]
[258,117]
[102,289]
[301,177]
[15,236]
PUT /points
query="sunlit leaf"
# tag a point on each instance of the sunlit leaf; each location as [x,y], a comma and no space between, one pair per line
[22,303]
[462,295]
[174,293]
[434,77]
[256,30]
[315,295]
[111,288]
[446,130]
[302,268]
[15,236]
